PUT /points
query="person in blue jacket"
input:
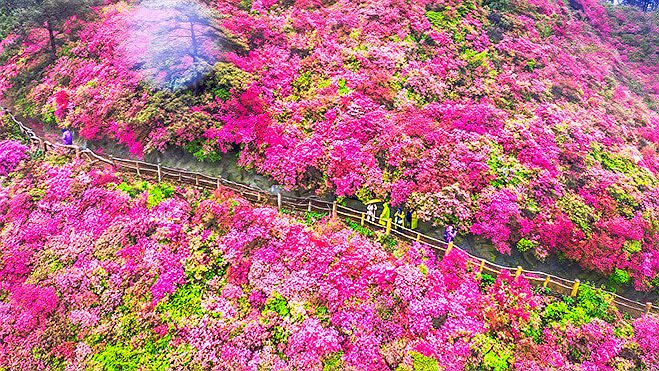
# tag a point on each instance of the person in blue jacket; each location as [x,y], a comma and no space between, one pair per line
[67,137]
[450,233]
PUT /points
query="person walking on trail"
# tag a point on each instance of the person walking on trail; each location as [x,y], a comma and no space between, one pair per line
[450,233]
[399,218]
[370,212]
[67,137]
[414,221]
[386,214]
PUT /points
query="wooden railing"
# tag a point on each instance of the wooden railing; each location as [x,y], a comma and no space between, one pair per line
[160,173]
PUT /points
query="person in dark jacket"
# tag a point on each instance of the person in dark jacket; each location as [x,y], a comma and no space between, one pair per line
[67,137]
[450,233]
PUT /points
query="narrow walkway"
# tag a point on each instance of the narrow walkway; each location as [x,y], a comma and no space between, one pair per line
[252,193]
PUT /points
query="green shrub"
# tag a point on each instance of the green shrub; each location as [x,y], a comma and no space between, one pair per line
[311,217]
[184,303]
[579,213]
[277,304]
[632,246]
[423,363]
[333,362]
[486,281]
[525,245]
[619,277]
[359,228]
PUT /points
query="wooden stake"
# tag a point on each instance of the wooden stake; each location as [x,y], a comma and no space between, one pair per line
[518,272]
[648,307]
[480,268]
[362,219]
[449,248]
[418,237]
[334,209]
[575,288]
[279,201]
[309,206]
[137,166]
[546,282]
[388,227]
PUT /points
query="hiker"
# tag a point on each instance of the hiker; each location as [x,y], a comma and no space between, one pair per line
[370,212]
[386,214]
[408,219]
[399,218]
[414,221]
[67,137]
[450,233]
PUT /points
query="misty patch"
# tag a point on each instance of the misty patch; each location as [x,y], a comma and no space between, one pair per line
[175,43]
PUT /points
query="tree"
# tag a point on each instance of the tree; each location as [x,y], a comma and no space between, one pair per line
[19,16]
[178,42]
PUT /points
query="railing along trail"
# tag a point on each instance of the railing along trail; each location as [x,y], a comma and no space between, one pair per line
[156,171]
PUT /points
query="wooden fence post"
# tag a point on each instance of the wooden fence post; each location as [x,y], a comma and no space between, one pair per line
[449,248]
[388,227]
[546,281]
[518,272]
[309,206]
[575,288]
[114,164]
[362,219]
[279,201]
[418,236]
[77,153]
[196,179]
[218,183]
[480,268]
[334,209]
[648,307]
[137,167]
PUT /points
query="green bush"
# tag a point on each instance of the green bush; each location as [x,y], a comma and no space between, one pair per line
[525,245]
[619,277]
[311,217]
[277,304]
[333,362]
[579,213]
[486,281]
[423,363]
[632,246]
[359,228]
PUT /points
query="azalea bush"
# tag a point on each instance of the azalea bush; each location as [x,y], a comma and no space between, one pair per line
[94,275]
[515,120]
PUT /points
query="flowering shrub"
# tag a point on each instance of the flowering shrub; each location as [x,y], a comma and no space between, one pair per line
[93,275]
[541,111]
[12,153]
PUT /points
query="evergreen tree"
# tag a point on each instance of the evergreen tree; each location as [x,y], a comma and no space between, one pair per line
[19,16]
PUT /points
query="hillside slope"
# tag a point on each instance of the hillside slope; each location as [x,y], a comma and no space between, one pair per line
[532,123]
[103,272]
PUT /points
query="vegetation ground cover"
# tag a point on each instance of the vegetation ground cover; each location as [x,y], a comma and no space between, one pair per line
[532,123]
[103,271]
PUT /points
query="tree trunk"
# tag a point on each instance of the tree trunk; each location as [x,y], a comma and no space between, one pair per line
[51,36]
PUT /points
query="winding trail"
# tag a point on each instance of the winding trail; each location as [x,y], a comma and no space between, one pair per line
[255,188]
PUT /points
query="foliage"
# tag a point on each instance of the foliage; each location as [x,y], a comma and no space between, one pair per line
[511,119]
[91,276]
